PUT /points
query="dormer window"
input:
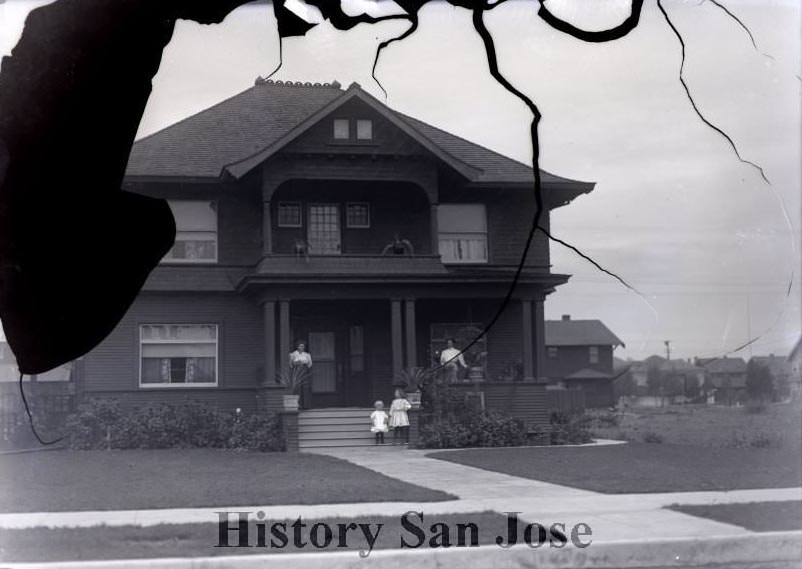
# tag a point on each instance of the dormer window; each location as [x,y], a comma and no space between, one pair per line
[364,129]
[342,129]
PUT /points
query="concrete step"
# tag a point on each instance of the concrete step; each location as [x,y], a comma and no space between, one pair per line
[312,429]
[335,412]
[331,435]
[342,443]
[334,421]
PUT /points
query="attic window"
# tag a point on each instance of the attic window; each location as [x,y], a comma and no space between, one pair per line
[341,129]
[364,129]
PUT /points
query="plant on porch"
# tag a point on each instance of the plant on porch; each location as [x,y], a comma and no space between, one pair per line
[294,378]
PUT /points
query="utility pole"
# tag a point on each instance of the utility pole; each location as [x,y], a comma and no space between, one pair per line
[668,349]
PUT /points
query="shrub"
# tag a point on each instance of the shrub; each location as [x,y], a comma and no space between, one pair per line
[652,437]
[756,408]
[570,428]
[765,440]
[489,429]
[102,424]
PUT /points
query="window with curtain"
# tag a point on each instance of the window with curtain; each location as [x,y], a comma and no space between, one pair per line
[178,355]
[196,232]
[462,233]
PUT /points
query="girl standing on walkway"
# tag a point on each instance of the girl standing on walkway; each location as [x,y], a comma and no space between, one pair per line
[399,420]
[378,421]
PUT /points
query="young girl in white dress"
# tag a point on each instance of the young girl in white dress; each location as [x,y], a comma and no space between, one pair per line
[378,421]
[399,420]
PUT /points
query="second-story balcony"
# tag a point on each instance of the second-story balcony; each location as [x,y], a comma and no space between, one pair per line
[351,265]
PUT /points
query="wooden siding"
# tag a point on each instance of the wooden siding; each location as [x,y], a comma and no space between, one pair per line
[571,359]
[221,399]
[114,364]
[523,400]
[239,214]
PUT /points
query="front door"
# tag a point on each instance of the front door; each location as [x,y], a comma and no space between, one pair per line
[324,229]
[325,388]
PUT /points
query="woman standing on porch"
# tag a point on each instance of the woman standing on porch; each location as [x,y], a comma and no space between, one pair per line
[301,359]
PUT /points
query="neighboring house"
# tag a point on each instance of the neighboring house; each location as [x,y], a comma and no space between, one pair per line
[781,373]
[579,355]
[673,381]
[309,213]
[725,379]
[795,363]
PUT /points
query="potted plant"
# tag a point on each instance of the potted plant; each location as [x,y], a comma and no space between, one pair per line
[294,380]
[411,379]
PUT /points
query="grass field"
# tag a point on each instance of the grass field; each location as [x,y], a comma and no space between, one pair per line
[60,481]
[641,467]
[756,516]
[779,425]
[200,540]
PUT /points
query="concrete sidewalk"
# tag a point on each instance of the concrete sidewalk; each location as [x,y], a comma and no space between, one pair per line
[611,516]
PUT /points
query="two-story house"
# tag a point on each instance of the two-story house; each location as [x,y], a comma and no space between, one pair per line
[579,355]
[725,380]
[311,213]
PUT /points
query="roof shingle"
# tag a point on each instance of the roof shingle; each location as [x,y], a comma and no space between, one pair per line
[202,145]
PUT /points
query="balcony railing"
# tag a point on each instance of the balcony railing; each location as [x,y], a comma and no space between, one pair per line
[350,264]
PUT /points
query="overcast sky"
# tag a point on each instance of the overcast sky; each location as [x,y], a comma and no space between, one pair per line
[700,234]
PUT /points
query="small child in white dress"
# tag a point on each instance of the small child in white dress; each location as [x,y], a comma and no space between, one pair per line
[378,421]
[399,420]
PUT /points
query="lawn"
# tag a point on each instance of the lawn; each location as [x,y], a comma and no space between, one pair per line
[58,481]
[199,540]
[777,425]
[756,516]
[641,467]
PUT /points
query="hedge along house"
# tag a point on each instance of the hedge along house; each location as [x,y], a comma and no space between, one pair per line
[309,213]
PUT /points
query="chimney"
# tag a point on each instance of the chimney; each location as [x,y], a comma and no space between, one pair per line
[566,317]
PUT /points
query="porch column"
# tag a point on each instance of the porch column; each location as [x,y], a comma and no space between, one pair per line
[539,340]
[527,348]
[395,330]
[267,229]
[269,311]
[284,334]
[409,321]
[434,229]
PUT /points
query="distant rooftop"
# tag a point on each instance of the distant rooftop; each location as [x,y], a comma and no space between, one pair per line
[567,332]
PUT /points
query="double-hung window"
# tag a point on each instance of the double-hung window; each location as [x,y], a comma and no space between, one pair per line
[462,233]
[178,355]
[593,354]
[196,232]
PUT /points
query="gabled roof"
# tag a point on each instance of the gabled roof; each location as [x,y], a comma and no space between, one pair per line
[777,365]
[239,133]
[579,333]
[587,373]
[724,365]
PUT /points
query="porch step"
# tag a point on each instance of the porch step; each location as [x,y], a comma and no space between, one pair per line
[335,427]
[332,412]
